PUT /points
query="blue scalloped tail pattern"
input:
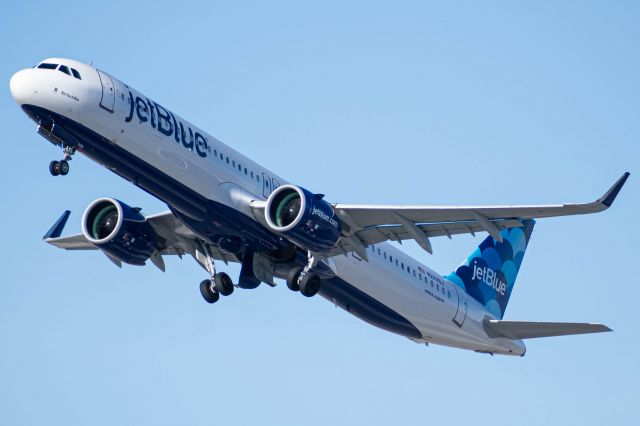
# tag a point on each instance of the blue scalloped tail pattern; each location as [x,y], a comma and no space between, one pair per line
[489,273]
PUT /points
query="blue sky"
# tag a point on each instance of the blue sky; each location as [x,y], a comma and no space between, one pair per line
[368,102]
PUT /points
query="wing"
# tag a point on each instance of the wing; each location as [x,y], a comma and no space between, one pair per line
[371,224]
[174,239]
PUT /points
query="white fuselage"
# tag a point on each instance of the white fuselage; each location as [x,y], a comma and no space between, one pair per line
[441,311]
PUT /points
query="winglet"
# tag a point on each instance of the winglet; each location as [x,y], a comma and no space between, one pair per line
[608,198]
[56,230]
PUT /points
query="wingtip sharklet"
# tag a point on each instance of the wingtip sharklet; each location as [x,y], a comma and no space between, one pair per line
[609,197]
[56,230]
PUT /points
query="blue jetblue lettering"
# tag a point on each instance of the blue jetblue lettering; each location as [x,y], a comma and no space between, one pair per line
[166,123]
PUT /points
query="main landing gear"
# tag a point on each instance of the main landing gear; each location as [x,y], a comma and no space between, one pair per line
[218,284]
[62,167]
[303,280]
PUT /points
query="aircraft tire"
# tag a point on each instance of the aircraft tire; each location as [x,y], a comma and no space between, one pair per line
[223,284]
[292,279]
[54,168]
[310,285]
[208,292]
[64,167]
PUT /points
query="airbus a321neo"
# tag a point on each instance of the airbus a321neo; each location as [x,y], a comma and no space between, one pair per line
[225,207]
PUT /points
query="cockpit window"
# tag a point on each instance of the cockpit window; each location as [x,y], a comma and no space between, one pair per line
[76,74]
[47,66]
[64,69]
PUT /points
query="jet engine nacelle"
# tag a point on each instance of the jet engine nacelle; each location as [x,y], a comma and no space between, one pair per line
[304,218]
[119,230]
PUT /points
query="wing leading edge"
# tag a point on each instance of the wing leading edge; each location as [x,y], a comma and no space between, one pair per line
[372,224]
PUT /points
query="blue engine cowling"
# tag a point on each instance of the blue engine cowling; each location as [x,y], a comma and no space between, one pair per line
[304,218]
[119,230]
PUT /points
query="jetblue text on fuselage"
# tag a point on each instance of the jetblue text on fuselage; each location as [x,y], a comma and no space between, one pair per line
[165,122]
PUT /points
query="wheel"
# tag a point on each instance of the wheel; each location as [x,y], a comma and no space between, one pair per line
[64,167]
[208,292]
[310,285]
[292,280]
[223,283]
[54,168]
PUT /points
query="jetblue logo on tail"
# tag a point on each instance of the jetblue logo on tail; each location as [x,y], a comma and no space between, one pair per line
[489,273]
[490,278]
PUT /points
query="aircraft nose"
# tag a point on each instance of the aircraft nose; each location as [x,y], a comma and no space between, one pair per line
[21,88]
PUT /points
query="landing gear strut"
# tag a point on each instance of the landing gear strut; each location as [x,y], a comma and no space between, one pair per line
[304,280]
[62,167]
[218,283]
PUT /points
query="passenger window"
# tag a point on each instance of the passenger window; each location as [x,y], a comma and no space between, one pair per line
[227,160]
[46,66]
[76,74]
[221,156]
[402,266]
[239,167]
[251,174]
[449,294]
[64,69]
[378,252]
[233,164]
[414,272]
[391,258]
[385,254]
[245,171]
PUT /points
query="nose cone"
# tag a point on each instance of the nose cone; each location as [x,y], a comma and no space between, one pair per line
[21,88]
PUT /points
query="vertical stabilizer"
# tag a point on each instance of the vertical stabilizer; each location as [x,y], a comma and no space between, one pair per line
[489,273]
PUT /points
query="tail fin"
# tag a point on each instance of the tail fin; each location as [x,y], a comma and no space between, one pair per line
[489,273]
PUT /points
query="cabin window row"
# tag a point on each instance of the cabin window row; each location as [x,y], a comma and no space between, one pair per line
[232,164]
[412,271]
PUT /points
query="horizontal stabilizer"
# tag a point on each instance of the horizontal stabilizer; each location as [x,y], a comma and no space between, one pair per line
[530,330]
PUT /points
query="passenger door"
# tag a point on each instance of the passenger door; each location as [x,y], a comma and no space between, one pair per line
[108,91]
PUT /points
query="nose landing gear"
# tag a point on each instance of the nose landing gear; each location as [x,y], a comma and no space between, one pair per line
[62,167]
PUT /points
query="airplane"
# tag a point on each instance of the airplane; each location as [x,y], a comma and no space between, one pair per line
[224,207]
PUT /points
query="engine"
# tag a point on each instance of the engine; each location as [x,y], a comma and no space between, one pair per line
[304,218]
[119,230]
